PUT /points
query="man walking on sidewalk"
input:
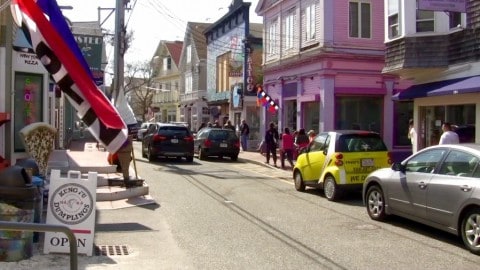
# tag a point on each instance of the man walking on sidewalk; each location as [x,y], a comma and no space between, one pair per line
[244,132]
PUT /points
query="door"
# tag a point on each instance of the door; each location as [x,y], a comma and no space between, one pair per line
[315,158]
[451,187]
[408,194]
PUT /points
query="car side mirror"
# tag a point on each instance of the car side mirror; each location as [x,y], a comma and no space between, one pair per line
[397,166]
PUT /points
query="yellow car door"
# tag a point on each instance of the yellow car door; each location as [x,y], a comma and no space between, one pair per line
[313,161]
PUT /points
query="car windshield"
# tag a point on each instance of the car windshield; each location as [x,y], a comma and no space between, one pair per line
[173,131]
[361,143]
[221,135]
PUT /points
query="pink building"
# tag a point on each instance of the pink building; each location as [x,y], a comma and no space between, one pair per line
[323,62]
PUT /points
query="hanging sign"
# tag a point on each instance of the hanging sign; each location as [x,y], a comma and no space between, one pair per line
[71,202]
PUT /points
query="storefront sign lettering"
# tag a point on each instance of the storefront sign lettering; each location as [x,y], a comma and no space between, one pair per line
[249,73]
[63,241]
[29,59]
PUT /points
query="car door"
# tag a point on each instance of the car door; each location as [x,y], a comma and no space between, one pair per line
[408,193]
[451,187]
[314,160]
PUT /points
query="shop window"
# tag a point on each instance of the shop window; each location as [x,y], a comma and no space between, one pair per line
[403,112]
[361,113]
[311,116]
[28,104]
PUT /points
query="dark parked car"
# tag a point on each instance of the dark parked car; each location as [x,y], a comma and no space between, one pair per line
[217,142]
[438,186]
[466,133]
[167,140]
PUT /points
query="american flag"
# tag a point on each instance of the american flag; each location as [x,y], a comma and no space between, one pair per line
[53,42]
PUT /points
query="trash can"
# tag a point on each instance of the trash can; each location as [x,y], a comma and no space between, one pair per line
[17,203]
[31,167]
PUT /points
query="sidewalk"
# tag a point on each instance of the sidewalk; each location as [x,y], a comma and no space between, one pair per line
[84,155]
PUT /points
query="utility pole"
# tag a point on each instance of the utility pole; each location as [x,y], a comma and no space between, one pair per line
[119,48]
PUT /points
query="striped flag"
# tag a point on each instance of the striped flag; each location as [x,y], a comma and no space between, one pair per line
[53,42]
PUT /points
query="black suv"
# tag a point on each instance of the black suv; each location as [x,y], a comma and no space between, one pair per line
[167,140]
[217,142]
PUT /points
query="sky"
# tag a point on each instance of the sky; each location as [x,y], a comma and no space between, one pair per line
[151,20]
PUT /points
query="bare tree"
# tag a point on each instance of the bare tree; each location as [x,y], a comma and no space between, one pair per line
[139,88]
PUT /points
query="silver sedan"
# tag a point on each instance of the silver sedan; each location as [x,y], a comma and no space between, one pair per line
[438,186]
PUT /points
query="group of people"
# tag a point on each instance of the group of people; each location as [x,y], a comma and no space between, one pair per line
[448,135]
[244,130]
[289,144]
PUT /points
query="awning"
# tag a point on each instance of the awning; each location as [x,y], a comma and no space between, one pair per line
[466,85]
[423,90]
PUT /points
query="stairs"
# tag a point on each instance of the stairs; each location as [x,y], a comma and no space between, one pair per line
[111,191]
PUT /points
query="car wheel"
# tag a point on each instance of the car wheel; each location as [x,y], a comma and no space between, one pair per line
[201,154]
[144,154]
[234,158]
[470,230]
[150,155]
[375,203]
[330,189]
[299,184]
[190,159]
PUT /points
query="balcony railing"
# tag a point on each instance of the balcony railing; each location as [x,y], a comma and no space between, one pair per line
[166,96]
[194,95]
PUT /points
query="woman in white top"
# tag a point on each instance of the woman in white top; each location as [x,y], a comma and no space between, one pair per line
[412,134]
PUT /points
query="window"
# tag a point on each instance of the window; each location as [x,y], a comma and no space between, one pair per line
[188,83]
[359,19]
[404,112]
[425,162]
[189,53]
[320,143]
[289,29]
[272,40]
[167,63]
[425,20]
[360,113]
[310,18]
[28,100]
[393,19]
[459,163]
[223,71]
[455,19]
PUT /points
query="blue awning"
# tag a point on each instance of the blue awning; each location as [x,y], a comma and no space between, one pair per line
[466,85]
[423,90]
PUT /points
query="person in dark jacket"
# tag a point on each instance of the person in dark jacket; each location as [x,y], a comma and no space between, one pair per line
[271,140]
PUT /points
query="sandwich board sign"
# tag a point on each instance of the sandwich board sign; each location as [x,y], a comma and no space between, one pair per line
[71,203]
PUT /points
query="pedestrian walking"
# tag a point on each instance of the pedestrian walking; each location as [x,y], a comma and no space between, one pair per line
[244,132]
[271,141]
[286,149]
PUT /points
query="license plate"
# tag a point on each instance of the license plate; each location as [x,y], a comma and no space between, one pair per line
[174,140]
[223,145]
[367,162]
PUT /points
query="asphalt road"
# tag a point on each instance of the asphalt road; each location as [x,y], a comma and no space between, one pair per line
[219,214]
[232,215]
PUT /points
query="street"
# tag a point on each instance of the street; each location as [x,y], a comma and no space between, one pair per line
[219,214]
[233,215]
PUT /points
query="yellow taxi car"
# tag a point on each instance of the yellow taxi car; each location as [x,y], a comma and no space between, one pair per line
[340,160]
